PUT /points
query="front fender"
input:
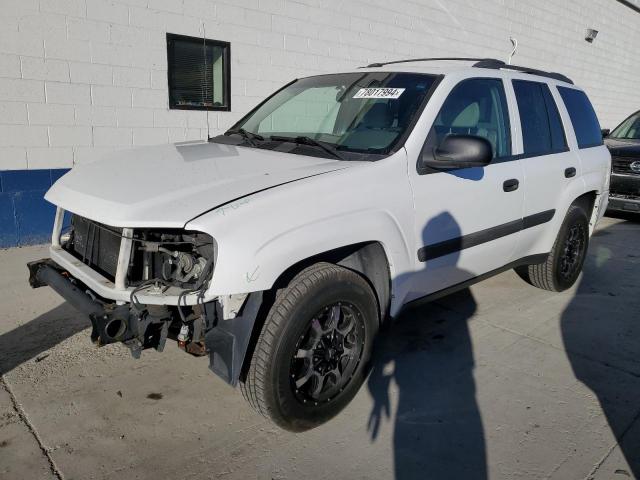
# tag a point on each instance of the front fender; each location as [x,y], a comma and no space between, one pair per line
[262,235]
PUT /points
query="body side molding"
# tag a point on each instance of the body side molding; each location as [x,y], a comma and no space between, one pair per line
[435,250]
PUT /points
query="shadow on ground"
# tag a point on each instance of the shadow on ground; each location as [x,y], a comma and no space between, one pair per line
[428,356]
[601,333]
[31,340]
[629,216]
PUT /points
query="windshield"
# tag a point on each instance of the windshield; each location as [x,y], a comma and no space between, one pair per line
[629,129]
[337,115]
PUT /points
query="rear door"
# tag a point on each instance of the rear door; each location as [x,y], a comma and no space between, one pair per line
[549,165]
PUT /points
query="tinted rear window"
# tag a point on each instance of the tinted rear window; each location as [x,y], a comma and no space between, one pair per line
[583,116]
[558,139]
[542,131]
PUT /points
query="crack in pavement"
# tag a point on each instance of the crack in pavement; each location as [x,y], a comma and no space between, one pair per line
[560,349]
[636,418]
[25,419]
[597,466]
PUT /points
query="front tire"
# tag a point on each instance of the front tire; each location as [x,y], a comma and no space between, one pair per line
[564,263]
[311,355]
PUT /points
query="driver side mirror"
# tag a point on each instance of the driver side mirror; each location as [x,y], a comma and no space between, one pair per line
[605,132]
[461,151]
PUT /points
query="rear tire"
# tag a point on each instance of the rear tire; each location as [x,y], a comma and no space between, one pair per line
[564,263]
[311,356]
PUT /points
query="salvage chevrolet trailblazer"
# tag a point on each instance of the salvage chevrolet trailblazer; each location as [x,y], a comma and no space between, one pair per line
[280,247]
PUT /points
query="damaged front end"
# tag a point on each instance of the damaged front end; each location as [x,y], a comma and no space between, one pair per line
[144,286]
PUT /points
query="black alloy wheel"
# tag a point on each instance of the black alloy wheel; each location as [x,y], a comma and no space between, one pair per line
[328,353]
[564,263]
[573,251]
[313,350]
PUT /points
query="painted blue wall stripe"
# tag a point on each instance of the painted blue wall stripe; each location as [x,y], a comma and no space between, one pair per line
[26,218]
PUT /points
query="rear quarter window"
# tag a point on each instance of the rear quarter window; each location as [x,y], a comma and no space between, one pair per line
[583,117]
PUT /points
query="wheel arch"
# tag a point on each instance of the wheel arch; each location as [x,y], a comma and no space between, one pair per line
[588,202]
[368,259]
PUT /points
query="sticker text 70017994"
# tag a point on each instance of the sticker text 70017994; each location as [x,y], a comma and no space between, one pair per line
[379,93]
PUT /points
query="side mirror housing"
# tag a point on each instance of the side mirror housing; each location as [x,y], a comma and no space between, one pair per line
[605,132]
[461,151]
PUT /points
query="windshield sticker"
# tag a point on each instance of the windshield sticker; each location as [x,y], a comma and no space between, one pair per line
[379,93]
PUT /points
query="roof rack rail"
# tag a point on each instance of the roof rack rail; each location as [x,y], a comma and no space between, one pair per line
[490,63]
[499,64]
[435,59]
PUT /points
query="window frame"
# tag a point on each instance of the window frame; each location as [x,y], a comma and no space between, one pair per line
[226,74]
[552,151]
[423,169]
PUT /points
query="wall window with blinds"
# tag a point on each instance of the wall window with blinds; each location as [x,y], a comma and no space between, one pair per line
[199,73]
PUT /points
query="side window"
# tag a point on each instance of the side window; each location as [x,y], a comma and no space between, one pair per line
[477,106]
[583,116]
[542,131]
[558,138]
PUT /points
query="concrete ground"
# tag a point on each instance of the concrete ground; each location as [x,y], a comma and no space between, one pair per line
[502,381]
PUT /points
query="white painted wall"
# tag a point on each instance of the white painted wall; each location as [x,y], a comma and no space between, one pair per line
[81,77]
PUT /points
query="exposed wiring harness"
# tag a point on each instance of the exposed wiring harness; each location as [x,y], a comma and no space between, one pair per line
[199,289]
[147,283]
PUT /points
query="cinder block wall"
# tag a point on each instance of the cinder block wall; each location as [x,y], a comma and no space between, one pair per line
[79,78]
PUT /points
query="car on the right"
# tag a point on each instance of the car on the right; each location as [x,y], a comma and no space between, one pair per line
[624,145]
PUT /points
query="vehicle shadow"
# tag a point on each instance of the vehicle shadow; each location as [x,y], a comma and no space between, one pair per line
[601,334]
[629,216]
[31,339]
[428,356]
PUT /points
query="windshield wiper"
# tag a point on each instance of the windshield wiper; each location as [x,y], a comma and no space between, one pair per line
[250,137]
[304,140]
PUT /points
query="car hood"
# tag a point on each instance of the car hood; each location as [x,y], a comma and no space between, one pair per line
[168,185]
[623,148]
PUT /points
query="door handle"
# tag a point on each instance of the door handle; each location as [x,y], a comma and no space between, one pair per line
[569,172]
[510,185]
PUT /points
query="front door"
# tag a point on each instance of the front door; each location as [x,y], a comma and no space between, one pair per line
[467,221]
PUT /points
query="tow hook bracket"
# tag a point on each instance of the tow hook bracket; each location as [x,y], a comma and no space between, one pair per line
[34,267]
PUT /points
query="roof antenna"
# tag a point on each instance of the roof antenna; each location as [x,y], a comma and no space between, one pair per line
[514,42]
[205,87]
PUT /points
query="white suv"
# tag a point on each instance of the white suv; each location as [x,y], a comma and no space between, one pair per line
[279,247]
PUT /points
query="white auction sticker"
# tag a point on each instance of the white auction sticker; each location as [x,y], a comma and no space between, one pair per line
[379,93]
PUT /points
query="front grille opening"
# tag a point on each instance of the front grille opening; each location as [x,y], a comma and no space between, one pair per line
[95,244]
[170,256]
[623,165]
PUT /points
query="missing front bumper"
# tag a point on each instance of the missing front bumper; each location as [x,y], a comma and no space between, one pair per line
[149,326]
[110,322]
